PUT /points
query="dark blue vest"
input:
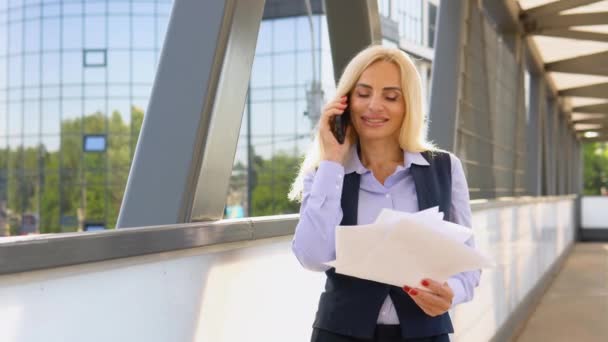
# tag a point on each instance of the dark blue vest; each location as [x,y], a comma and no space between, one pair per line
[350,306]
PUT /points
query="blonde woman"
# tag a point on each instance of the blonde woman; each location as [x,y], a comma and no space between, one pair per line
[384,162]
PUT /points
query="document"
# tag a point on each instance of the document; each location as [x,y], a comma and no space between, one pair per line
[403,248]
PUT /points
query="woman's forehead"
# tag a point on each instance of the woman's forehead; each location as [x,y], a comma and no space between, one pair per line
[381,72]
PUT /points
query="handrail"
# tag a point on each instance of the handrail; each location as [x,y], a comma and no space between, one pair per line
[28,253]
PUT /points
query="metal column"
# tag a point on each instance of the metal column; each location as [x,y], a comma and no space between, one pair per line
[184,156]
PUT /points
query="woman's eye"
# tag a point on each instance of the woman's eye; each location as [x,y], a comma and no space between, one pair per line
[362,95]
[394,98]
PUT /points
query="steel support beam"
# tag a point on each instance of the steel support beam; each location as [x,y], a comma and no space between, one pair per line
[447,73]
[184,156]
[564,21]
[573,34]
[591,109]
[556,7]
[594,64]
[352,25]
[592,121]
[599,90]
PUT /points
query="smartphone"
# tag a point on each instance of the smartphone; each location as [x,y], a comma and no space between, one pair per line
[340,122]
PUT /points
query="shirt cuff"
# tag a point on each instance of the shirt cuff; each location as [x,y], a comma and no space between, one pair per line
[458,289]
[328,179]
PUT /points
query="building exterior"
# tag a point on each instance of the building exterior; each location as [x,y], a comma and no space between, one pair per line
[75,78]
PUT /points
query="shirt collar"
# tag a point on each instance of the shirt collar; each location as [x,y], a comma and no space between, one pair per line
[353,163]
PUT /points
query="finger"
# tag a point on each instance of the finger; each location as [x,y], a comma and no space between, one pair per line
[438,288]
[415,295]
[333,106]
[428,302]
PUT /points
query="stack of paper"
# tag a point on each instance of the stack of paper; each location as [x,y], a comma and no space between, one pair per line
[404,248]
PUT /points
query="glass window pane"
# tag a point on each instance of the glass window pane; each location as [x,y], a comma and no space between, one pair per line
[32,117]
[94,58]
[94,75]
[71,201]
[3,63]
[50,68]
[143,66]
[95,7]
[71,116]
[304,70]
[284,72]
[303,40]
[261,71]
[32,70]
[50,92]
[51,120]
[95,204]
[119,91]
[71,152]
[94,143]
[284,35]
[15,71]
[119,155]
[32,36]
[50,145]
[15,32]
[15,118]
[143,32]
[3,120]
[261,120]
[264,43]
[51,10]
[118,7]
[72,9]
[161,30]
[118,67]
[72,33]
[49,210]
[3,36]
[51,34]
[119,34]
[72,67]
[95,28]
[120,116]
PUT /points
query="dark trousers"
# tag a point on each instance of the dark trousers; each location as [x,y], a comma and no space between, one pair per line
[384,333]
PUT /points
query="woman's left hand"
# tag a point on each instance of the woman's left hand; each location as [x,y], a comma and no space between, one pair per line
[434,300]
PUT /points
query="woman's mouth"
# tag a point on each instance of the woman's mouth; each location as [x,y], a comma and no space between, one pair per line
[373,122]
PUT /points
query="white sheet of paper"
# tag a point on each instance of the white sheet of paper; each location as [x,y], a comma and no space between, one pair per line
[404,249]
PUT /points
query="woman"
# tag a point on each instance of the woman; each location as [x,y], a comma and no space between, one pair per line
[384,162]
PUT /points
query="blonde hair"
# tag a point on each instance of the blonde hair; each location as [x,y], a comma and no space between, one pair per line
[412,137]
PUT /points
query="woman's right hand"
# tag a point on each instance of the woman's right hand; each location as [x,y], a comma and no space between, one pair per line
[331,149]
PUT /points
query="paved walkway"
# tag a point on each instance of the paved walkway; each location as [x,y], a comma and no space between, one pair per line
[575,307]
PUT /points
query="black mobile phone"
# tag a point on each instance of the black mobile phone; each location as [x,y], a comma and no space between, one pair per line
[340,122]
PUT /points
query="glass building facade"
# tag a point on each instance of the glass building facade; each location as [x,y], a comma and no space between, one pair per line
[75,79]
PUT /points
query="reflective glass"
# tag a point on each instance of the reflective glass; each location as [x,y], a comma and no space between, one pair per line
[119,35]
[32,36]
[161,31]
[15,71]
[51,119]
[3,36]
[71,150]
[119,155]
[119,117]
[118,66]
[95,29]
[94,7]
[304,69]
[32,70]
[72,116]
[50,68]
[72,9]
[284,35]
[264,43]
[3,120]
[119,91]
[15,34]
[94,75]
[118,7]
[3,63]
[284,119]
[51,10]
[51,34]
[72,67]
[284,72]
[31,117]
[303,34]
[261,119]
[143,67]
[261,71]
[72,33]
[71,201]
[15,118]
[94,143]
[143,32]
[95,91]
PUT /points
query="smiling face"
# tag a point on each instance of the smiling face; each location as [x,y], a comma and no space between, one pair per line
[376,103]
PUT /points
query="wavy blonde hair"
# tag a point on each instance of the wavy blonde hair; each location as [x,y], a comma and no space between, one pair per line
[412,137]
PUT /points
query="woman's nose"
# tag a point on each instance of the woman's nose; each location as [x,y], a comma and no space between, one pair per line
[375,103]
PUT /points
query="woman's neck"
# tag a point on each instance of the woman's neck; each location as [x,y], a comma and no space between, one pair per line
[381,156]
